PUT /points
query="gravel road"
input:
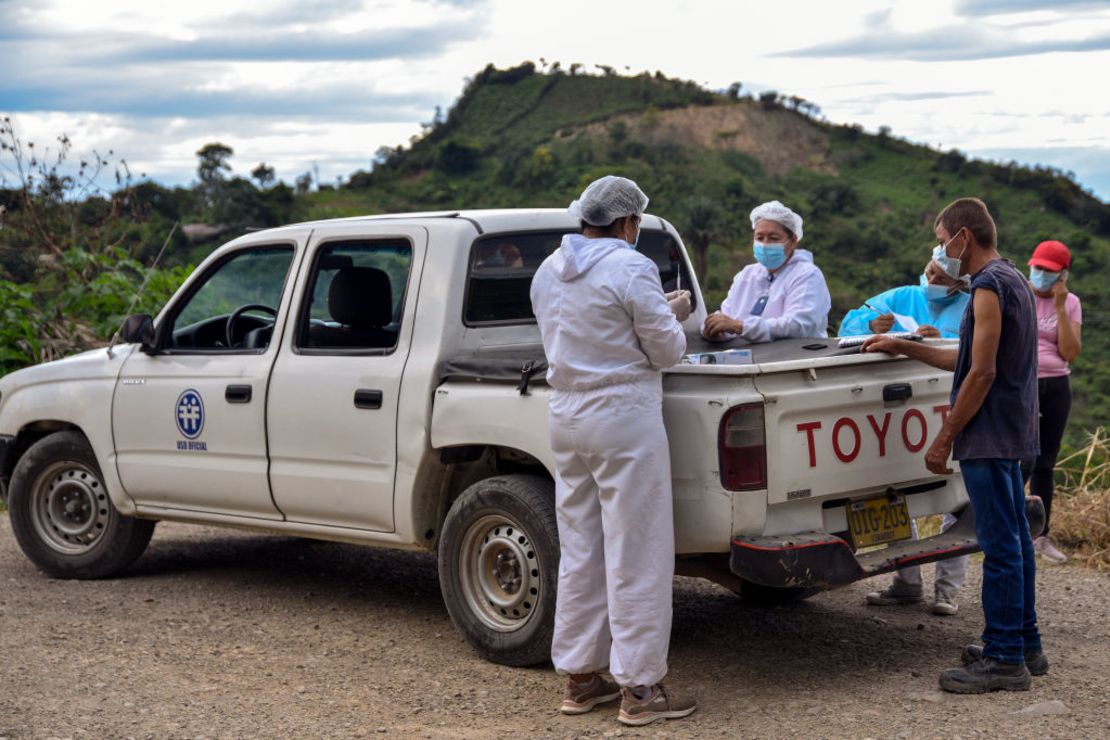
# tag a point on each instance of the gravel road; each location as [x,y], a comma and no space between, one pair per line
[216,633]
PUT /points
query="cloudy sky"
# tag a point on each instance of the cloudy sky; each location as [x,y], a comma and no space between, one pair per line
[309,83]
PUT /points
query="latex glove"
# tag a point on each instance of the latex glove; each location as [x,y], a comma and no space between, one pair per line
[679,301]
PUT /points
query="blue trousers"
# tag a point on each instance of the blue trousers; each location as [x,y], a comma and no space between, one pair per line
[997,496]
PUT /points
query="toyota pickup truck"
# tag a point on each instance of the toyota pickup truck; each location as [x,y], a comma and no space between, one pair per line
[380,380]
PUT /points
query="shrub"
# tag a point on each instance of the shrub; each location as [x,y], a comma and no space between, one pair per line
[1081,508]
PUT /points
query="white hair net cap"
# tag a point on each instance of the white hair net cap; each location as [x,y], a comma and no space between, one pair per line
[780,214]
[608,198]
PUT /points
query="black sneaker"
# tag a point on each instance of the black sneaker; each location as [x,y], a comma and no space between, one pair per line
[1036,662]
[986,674]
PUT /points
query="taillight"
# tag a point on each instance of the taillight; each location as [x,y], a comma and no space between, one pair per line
[742,448]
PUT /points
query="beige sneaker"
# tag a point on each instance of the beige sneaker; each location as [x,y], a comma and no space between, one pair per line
[1046,548]
[945,605]
[657,705]
[581,698]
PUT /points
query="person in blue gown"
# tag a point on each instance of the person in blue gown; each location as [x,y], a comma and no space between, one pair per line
[935,305]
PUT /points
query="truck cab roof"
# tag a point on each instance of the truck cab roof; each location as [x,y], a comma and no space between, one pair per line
[484,220]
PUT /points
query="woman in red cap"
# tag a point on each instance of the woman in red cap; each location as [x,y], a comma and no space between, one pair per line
[1059,317]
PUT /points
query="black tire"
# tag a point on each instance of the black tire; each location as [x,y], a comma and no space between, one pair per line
[756,594]
[62,516]
[498,567]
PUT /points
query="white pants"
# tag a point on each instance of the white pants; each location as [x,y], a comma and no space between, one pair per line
[950,572]
[616,532]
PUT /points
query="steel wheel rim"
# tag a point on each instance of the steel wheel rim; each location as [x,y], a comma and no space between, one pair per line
[70,510]
[501,576]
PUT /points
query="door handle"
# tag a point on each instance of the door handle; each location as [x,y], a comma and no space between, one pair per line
[368,399]
[897,392]
[238,394]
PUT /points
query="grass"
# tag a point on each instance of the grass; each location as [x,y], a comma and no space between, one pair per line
[1081,508]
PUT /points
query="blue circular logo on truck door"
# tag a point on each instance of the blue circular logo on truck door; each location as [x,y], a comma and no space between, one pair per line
[189,412]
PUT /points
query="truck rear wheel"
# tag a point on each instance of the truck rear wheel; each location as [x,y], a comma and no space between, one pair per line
[498,566]
[61,514]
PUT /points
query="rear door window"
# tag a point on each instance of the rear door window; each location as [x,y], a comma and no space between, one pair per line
[356,297]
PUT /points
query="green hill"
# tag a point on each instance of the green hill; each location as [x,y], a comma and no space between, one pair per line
[519,137]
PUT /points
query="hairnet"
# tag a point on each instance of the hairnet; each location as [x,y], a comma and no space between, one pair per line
[780,214]
[608,198]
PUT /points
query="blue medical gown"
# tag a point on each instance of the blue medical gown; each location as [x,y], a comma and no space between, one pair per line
[909,300]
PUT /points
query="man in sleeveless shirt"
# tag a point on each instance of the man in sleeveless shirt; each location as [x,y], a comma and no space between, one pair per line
[991,427]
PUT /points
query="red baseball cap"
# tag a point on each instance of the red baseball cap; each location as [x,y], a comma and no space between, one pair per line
[1052,256]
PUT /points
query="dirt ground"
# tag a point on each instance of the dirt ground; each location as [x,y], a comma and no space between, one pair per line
[216,633]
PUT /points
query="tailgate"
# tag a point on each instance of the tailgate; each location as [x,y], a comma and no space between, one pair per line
[850,428]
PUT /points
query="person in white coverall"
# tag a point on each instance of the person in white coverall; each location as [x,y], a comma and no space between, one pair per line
[783,294]
[608,331]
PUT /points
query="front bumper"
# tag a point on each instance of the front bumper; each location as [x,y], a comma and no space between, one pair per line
[822,560]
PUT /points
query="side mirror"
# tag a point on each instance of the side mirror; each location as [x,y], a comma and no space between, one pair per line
[139,328]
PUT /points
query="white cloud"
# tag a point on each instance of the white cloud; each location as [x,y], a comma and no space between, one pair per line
[298,81]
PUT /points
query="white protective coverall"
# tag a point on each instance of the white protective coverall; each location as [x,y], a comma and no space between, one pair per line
[797,305]
[608,331]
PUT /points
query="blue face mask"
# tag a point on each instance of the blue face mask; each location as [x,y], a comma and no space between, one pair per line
[1042,280]
[771,256]
[935,293]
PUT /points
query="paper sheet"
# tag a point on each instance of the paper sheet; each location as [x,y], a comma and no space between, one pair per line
[906,322]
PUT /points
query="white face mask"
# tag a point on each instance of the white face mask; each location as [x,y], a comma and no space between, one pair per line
[950,265]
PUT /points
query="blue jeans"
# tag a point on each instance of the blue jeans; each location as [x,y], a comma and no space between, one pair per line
[997,496]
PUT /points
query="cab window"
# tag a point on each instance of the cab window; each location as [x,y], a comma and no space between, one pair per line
[499,277]
[356,298]
[234,306]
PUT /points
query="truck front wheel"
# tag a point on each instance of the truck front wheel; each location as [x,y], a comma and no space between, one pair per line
[61,514]
[498,565]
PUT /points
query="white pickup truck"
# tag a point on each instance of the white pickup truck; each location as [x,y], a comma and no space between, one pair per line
[379,380]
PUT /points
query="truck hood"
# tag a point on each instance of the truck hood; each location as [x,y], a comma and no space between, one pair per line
[94,364]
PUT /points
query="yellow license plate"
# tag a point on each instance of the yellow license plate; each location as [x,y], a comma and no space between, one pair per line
[878,521]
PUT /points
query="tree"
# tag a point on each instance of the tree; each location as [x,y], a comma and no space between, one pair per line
[264,174]
[734,90]
[213,162]
[459,156]
[702,224]
[210,169]
[303,183]
[769,99]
